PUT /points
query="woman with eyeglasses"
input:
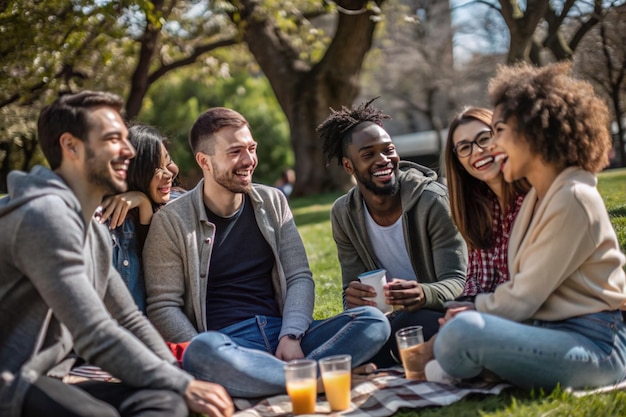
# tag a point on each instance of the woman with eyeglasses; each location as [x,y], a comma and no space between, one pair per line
[151,180]
[483,205]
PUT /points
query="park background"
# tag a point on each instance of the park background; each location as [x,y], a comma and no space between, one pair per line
[283,64]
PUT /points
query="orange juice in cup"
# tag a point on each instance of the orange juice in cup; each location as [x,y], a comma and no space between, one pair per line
[303,395]
[336,374]
[301,381]
[413,352]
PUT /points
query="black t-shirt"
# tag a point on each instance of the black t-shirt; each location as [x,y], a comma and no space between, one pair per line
[240,270]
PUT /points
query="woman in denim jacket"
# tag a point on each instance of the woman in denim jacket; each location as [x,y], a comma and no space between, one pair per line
[151,183]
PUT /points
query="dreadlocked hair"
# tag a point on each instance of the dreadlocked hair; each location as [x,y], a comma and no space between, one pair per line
[334,130]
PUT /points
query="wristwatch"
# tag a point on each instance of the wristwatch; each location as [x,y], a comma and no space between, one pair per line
[293,336]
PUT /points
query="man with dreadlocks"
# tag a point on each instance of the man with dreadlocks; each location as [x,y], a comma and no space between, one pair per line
[397,217]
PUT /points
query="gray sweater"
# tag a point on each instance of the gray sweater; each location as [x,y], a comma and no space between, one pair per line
[436,249]
[178,252]
[51,260]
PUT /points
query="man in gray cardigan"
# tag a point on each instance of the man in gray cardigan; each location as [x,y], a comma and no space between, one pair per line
[59,292]
[226,268]
[396,218]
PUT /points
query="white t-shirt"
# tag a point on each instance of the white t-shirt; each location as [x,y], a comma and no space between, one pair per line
[389,247]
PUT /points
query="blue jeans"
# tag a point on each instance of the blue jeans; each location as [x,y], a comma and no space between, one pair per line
[241,357]
[584,351]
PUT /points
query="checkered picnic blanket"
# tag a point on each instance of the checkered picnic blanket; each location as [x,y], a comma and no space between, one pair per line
[381,396]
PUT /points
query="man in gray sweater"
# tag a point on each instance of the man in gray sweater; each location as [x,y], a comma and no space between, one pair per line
[60,295]
[226,268]
[397,218]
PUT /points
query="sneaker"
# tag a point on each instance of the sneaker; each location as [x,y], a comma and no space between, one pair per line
[434,373]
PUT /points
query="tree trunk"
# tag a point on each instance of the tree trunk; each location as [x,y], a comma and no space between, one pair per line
[139,83]
[306,92]
[522,26]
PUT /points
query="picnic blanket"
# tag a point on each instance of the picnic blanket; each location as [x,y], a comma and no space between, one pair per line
[380,396]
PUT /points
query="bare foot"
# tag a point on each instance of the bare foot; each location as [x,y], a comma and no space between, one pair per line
[365,369]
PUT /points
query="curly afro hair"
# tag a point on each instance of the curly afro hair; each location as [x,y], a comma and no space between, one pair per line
[561,117]
[335,130]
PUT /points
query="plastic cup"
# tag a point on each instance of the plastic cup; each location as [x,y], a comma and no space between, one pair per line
[301,380]
[336,372]
[377,279]
[413,352]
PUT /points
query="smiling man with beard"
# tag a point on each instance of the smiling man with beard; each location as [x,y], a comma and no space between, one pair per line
[60,295]
[227,270]
[396,218]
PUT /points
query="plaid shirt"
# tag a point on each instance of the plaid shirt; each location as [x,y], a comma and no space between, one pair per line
[486,269]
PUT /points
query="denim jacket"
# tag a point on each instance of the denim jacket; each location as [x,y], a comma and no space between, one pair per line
[127,261]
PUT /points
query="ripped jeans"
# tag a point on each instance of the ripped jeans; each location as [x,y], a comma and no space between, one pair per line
[241,357]
[580,352]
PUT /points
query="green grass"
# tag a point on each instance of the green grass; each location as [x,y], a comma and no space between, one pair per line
[312,217]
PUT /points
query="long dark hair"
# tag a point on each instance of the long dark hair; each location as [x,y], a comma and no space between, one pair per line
[469,196]
[147,142]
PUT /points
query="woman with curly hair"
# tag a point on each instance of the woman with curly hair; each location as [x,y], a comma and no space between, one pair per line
[558,320]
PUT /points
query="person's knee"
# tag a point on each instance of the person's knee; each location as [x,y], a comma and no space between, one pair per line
[203,349]
[461,331]
[374,319]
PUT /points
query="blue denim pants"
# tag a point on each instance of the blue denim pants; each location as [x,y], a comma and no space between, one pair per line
[580,352]
[241,357]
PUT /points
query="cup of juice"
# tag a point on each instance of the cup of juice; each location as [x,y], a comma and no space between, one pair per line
[336,372]
[413,352]
[301,380]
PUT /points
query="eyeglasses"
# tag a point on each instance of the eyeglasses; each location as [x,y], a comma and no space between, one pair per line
[464,148]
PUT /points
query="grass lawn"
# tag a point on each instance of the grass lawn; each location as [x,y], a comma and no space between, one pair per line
[312,217]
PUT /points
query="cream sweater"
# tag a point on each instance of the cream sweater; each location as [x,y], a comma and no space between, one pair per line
[564,261]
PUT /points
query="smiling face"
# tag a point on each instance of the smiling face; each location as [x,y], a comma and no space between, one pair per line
[234,159]
[480,163]
[107,151]
[372,159]
[511,148]
[161,183]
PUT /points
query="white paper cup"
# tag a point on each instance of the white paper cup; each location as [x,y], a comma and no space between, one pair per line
[377,279]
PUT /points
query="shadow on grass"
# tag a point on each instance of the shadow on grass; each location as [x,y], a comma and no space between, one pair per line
[312,209]
[311,217]
[618,212]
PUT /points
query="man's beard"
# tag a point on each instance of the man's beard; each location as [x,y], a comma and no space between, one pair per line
[226,181]
[99,174]
[390,188]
